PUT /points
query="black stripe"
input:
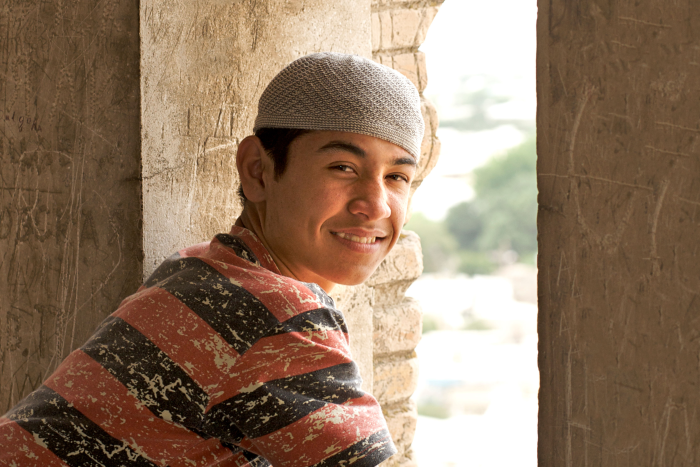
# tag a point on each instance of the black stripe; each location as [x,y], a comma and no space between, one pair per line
[171,265]
[148,372]
[236,314]
[238,246]
[166,269]
[235,434]
[225,431]
[322,319]
[280,402]
[367,453]
[69,434]
[249,456]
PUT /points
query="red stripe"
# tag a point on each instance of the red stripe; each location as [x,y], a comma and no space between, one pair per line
[282,356]
[185,337]
[226,257]
[21,448]
[139,293]
[249,446]
[254,243]
[103,399]
[282,296]
[323,433]
[194,250]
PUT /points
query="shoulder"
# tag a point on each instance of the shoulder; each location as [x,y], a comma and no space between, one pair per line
[235,269]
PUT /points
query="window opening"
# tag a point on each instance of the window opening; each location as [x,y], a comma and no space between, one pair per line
[476,216]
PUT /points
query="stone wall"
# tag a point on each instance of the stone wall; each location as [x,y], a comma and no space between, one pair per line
[619,228]
[203,68]
[70,208]
[398,29]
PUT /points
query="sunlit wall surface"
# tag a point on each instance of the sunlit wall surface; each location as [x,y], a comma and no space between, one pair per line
[476,215]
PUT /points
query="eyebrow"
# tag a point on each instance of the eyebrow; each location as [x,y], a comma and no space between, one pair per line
[359,152]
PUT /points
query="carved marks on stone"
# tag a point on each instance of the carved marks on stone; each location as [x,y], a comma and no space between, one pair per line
[626,354]
[22,122]
[651,191]
[642,22]
[654,223]
[68,158]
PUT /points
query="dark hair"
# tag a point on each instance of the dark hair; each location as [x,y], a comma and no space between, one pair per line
[276,142]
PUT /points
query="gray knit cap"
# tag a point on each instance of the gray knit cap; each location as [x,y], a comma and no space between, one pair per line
[339,92]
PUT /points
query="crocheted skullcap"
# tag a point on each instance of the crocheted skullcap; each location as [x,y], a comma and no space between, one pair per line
[340,92]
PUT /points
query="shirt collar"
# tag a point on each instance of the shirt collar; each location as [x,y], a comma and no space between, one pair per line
[254,243]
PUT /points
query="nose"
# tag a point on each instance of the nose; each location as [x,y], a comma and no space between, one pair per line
[370,201]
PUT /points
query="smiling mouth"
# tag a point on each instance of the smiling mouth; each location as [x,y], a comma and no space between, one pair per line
[355,238]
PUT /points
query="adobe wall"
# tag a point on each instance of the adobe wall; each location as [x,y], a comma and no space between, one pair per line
[70,209]
[619,228]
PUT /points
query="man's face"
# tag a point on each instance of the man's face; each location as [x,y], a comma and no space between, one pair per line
[338,209]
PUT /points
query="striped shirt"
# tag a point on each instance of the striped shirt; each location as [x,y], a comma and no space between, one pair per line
[217,359]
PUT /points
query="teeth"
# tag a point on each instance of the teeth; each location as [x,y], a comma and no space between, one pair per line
[355,238]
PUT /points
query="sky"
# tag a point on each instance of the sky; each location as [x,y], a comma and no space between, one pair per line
[475,38]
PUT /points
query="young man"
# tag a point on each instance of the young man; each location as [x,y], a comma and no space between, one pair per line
[232,353]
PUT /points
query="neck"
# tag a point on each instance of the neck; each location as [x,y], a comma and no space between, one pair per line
[251,219]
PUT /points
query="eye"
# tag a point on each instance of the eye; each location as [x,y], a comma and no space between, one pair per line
[342,168]
[398,177]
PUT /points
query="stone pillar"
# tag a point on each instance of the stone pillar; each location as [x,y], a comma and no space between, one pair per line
[70,208]
[619,229]
[397,331]
[398,29]
[203,68]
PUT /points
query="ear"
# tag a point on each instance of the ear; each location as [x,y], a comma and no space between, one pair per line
[251,162]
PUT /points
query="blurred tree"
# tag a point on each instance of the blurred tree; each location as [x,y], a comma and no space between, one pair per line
[503,213]
[475,262]
[434,409]
[473,99]
[507,187]
[466,222]
[431,323]
[439,246]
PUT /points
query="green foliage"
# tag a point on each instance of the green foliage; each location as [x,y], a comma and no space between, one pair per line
[474,103]
[430,323]
[477,325]
[475,262]
[466,222]
[435,410]
[502,216]
[517,165]
[439,247]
